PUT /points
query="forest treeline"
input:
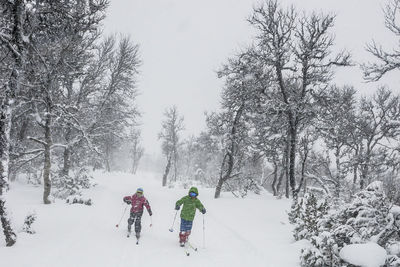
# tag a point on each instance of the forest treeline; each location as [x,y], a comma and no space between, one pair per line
[67,95]
[68,106]
[284,124]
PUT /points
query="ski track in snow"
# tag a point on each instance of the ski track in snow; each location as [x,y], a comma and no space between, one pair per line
[238,232]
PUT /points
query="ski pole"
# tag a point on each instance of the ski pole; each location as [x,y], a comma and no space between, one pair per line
[121,217]
[151,221]
[204,234]
[172,226]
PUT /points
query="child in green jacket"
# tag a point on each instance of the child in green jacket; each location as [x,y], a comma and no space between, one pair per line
[190,203]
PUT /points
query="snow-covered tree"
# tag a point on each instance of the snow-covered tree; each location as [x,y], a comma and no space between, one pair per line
[14,31]
[170,136]
[201,157]
[377,124]
[369,217]
[58,53]
[387,60]
[306,214]
[136,150]
[335,124]
[238,98]
[79,93]
[296,49]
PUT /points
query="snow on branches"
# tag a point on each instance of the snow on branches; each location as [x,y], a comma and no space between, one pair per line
[369,217]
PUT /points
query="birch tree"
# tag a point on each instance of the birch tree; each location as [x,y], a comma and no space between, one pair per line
[387,60]
[296,48]
[238,98]
[136,150]
[61,40]
[378,126]
[14,29]
[172,125]
[335,126]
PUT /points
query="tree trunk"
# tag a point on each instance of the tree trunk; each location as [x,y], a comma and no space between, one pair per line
[218,188]
[364,173]
[67,161]
[133,166]
[228,159]
[229,155]
[175,164]
[282,172]
[9,234]
[303,167]
[287,172]
[165,176]
[134,156]
[11,89]
[292,159]
[21,136]
[47,159]
[274,191]
[355,170]
[287,188]
[303,170]
[338,172]
[108,165]
[281,175]
[5,126]
[67,154]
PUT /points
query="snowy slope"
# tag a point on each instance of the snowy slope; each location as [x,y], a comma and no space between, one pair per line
[249,232]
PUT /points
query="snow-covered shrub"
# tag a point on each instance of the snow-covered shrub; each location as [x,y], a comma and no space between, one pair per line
[199,174]
[367,218]
[241,186]
[306,215]
[389,237]
[393,250]
[250,185]
[34,178]
[78,200]
[392,261]
[295,210]
[29,220]
[185,184]
[65,185]
[367,254]
[391,184]
[323,252]
[366,215]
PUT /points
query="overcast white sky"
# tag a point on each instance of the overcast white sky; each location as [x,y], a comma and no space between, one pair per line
[183,42]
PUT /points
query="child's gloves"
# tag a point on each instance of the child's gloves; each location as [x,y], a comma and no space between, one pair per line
[203,211]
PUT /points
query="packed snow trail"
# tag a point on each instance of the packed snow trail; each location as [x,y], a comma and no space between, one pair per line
[238,232]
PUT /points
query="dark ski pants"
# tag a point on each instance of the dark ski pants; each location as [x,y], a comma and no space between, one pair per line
[186,225]
[137,219]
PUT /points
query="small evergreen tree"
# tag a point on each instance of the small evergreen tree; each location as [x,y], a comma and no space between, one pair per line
[29,220]
[324,251]
[307,215]
[363,220]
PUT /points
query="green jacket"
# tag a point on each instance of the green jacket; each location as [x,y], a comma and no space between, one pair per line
[189,205]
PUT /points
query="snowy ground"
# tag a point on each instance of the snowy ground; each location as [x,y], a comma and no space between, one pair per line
[249,232]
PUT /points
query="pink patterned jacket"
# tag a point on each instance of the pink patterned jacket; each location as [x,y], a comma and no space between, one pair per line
[137,203]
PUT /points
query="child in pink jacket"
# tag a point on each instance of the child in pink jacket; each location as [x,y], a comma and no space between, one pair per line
[137,201]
